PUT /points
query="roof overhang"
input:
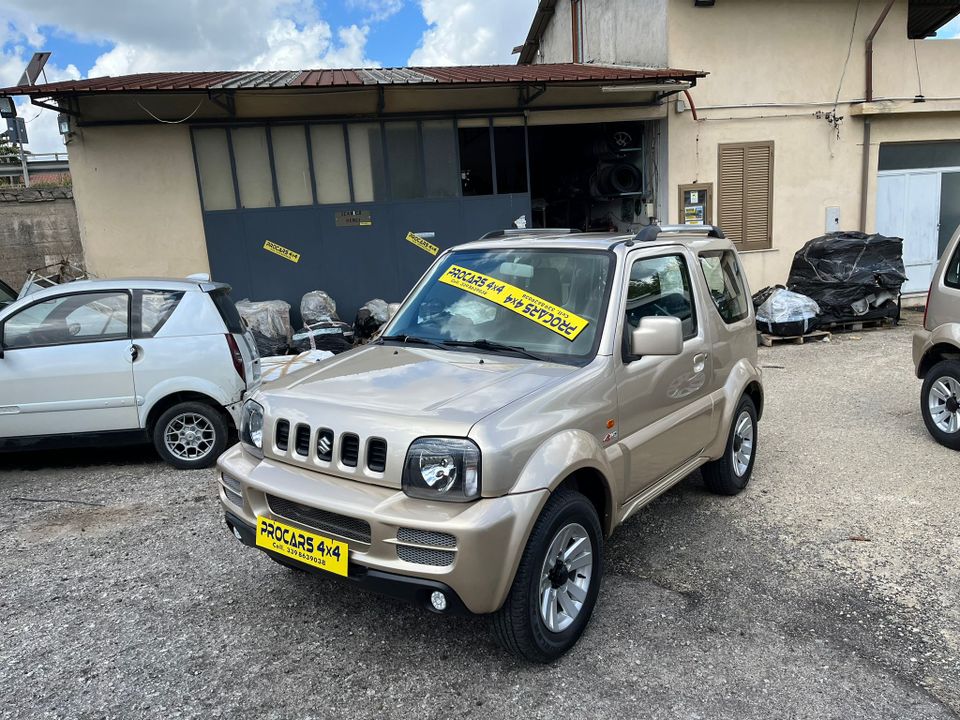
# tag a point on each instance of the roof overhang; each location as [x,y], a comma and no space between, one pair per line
[925,17]
[210,97]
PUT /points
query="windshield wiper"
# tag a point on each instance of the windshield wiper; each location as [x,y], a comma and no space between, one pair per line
[484,344]
[411,339]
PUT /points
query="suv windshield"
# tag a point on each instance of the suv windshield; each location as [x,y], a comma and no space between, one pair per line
[547,302]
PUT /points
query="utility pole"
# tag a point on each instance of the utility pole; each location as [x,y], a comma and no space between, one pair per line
[23,163]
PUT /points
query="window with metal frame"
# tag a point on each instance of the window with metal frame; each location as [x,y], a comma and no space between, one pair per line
[660,287]
[745,193]
[156,307]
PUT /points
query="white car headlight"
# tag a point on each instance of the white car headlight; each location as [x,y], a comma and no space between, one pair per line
[251,427]
[442,469]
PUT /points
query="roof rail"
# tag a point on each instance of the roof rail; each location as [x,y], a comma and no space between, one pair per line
[520,232]
[652,232]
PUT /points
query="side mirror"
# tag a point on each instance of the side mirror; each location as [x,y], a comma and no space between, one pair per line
[657,336]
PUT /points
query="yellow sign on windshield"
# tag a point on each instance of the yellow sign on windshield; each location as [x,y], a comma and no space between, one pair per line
[535,309]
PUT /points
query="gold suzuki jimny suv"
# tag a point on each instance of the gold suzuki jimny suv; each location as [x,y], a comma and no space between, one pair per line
[534,390]
[936,350]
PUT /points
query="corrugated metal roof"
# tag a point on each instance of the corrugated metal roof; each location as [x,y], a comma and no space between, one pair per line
[927,16]
[266,80]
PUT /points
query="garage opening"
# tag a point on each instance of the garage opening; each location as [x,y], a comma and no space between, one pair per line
[598,176]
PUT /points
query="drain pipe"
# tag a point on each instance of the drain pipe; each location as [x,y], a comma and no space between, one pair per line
[865,171]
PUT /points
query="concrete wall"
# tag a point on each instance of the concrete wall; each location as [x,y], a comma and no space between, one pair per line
[137,201]
[789,56]
[37,228]
[632,33]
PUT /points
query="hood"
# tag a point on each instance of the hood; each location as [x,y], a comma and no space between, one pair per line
[399,394]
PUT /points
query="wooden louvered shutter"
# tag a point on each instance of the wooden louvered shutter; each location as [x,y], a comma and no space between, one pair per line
[745,194]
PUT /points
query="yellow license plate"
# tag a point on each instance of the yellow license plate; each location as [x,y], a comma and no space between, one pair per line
[307,547]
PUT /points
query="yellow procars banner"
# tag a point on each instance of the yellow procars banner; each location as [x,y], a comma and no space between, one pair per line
[535,309]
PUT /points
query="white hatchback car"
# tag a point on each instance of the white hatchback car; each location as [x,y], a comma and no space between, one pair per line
[101,361]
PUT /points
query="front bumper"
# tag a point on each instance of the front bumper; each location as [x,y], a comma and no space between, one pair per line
[921,343]
[490,533]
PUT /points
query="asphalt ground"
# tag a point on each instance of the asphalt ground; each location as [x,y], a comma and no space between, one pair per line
[829,589]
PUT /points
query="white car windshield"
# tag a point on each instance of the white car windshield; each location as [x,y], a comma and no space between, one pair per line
[549,303]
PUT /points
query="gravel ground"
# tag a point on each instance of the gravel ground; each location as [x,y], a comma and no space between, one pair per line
[829,589]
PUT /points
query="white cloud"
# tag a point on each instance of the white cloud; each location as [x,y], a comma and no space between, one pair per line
[472,32]
[173,35]
[377,10]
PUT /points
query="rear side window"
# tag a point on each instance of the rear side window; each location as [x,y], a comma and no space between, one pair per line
[228,311]
[727,289]
[951,278]
[156,308]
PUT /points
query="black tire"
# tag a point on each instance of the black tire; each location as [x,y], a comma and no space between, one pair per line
[721,476]
[518,625]
[211,451]
[943,369]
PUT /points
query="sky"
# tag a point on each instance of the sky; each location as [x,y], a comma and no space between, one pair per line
[92,38]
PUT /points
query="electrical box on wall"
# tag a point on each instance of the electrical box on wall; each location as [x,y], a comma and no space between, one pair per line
[832,223]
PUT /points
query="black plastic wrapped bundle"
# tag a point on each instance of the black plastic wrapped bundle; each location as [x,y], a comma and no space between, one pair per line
[851,276]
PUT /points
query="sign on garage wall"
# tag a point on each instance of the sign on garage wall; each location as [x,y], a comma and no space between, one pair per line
[353,218]
[285,253]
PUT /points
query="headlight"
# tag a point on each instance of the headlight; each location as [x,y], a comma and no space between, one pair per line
[251,427]
[442,469]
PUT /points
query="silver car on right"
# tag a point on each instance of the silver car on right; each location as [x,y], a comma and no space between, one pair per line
[936,350]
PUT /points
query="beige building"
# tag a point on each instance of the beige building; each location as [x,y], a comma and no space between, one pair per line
[792,133]
[750,114]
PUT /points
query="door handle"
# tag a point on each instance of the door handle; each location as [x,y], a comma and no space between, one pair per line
[699,361]
[134,352]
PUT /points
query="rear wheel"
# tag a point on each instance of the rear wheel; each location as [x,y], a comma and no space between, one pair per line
[556,585]
[190,435]
[731,473]
[940,403]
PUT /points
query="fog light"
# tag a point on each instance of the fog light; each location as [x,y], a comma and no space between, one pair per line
[438,600]
[236,533]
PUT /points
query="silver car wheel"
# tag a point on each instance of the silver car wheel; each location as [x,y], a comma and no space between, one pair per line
[565,578]
[943,403]
[742,449]
[189,436]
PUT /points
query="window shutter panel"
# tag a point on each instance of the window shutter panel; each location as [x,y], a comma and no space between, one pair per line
[730,203]
[757,180]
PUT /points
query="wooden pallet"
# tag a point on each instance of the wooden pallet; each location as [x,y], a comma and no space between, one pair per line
[771,340]
[860,326]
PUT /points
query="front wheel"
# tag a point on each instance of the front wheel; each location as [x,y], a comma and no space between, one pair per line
[731,473]
[556,585]
[190,435]
[940,403]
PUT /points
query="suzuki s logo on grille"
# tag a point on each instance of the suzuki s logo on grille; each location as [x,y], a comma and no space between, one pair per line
[324,446]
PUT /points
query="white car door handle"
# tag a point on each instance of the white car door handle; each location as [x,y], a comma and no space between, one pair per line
[134,353]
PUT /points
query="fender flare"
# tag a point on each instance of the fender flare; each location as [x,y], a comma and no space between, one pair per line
[172,386]
[567,453]
[943,339]
[744,378]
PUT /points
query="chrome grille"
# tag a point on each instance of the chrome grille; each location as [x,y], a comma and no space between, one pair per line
[325,444]
[424,556]
[283,434]
[377,454]
[302,440]
[349,449]
[321,520]
[426,537]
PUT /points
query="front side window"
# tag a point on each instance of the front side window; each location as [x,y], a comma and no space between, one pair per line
[660,287]
[548,302]
[722,273]
[87,317]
